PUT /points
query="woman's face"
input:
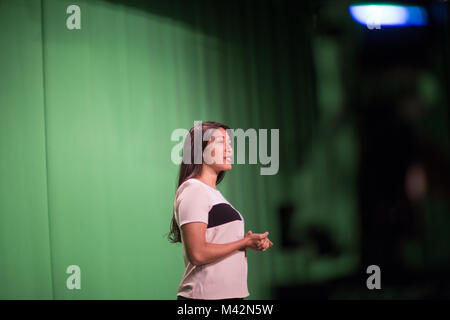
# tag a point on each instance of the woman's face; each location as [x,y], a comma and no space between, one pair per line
[218,154]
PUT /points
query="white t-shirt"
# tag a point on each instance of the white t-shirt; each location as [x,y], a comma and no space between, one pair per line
[226,277]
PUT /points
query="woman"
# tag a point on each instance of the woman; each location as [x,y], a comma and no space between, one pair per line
[212,230]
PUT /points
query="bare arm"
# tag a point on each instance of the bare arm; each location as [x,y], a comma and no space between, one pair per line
[201,252]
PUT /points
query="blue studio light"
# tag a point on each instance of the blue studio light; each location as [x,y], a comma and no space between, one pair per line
[388,15]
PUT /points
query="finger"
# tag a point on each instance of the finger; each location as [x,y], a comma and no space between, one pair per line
[261,244]
[265,246]
[264,235]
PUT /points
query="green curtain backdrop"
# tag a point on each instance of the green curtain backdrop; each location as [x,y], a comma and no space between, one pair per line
[25,255]
[86,118]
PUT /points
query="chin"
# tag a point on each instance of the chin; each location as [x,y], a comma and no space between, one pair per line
[224,167]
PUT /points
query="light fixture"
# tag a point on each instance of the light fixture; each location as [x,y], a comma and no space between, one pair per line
[389,15]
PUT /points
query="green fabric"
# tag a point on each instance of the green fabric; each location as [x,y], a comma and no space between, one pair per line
[25,256]
[86,118]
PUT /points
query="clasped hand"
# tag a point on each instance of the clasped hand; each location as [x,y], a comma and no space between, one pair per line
[258,241]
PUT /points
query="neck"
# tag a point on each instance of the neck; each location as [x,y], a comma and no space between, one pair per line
[208,176]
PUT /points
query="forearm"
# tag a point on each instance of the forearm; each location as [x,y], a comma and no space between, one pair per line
[211,252]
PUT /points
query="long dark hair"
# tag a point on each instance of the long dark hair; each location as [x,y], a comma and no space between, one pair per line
[192,169]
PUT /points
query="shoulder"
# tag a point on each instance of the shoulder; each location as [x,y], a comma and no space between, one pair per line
[191,189]
[193,198]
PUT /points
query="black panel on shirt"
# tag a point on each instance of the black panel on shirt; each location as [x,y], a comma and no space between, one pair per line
[222,213]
